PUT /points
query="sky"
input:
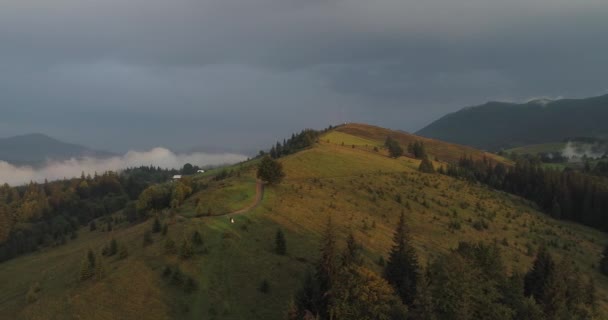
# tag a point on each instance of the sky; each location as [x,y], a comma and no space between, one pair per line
[237,75]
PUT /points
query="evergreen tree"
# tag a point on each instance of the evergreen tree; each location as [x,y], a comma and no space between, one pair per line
[308,298]
[422,308]
[402,268]
[270,170]
[165,229]
[352,254]
[426,166]
[536,279]
[326,268]
[394,148]
[280,243]
[92,226]
[123,252]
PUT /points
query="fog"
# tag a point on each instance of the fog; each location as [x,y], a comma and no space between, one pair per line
[158,157]
[575,151]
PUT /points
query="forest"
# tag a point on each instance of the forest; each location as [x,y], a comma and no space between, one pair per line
[50,213]
[579,196]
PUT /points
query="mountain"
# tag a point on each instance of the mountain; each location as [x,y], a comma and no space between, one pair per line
[236,274]
[500,125]
[36,148]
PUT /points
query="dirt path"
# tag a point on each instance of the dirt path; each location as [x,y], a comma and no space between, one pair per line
[259,195]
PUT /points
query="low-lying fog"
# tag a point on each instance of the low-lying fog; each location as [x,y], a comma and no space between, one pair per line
[158,157]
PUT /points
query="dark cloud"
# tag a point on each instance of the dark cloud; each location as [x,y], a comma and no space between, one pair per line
[184,73]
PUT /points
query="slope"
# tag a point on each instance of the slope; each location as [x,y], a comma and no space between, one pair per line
[364,191]
[498,125]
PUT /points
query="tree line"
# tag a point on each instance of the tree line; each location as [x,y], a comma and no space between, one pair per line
[49,213]
[469,282]
[566,194]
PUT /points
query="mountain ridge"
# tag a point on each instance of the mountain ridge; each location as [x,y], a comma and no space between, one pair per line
[500,125]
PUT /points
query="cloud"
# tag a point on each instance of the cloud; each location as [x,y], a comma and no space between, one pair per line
[158,157]
[250,72]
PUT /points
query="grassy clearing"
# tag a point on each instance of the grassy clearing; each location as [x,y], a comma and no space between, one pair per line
[221,197]
[364,192]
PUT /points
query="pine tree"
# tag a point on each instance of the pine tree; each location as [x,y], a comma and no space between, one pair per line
[280,243]
[426,166]
[92,226]
[308,298]
[123,252]
[352,253]
[422,308]
[270,170]
[326,267]
[147,238]
[536,279]
[402,268]
[165,230]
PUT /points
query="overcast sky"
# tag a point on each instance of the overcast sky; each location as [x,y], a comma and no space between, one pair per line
[136,74]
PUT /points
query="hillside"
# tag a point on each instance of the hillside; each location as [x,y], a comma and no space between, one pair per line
[342,175]
[35,149]
[498,125]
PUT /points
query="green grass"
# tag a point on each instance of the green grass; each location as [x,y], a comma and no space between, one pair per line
[356,186]
[221,197]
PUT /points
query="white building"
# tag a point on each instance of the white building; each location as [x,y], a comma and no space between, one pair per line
[200,171]
[177,177]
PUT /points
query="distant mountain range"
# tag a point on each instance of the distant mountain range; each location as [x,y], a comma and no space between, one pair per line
[500,125]
[35,149]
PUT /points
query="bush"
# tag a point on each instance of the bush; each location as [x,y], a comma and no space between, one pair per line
[264,286]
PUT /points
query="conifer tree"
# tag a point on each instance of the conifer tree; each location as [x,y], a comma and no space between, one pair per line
[422,308]
[270,170]
[280,243]
[326,268]
[402,268]
[352,253]
[165,230]
[536,279]
[426,166]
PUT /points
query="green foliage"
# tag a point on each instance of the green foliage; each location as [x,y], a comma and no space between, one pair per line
[361,294]
[426,166]
[270,170]
[394,149]
[402,268]
[604,262]
[327,267]
[417,149]
[280,243]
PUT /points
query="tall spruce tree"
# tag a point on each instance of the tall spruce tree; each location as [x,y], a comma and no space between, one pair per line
[402,268]
[536,279]
[326,268]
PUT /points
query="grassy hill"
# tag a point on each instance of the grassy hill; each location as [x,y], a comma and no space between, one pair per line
[499,125]
[363,190]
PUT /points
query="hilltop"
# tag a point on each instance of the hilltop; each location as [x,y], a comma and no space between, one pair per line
[346,174]
[501,125]
[36,148]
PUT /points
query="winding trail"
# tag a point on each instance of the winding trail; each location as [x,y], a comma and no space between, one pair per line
[259,195]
